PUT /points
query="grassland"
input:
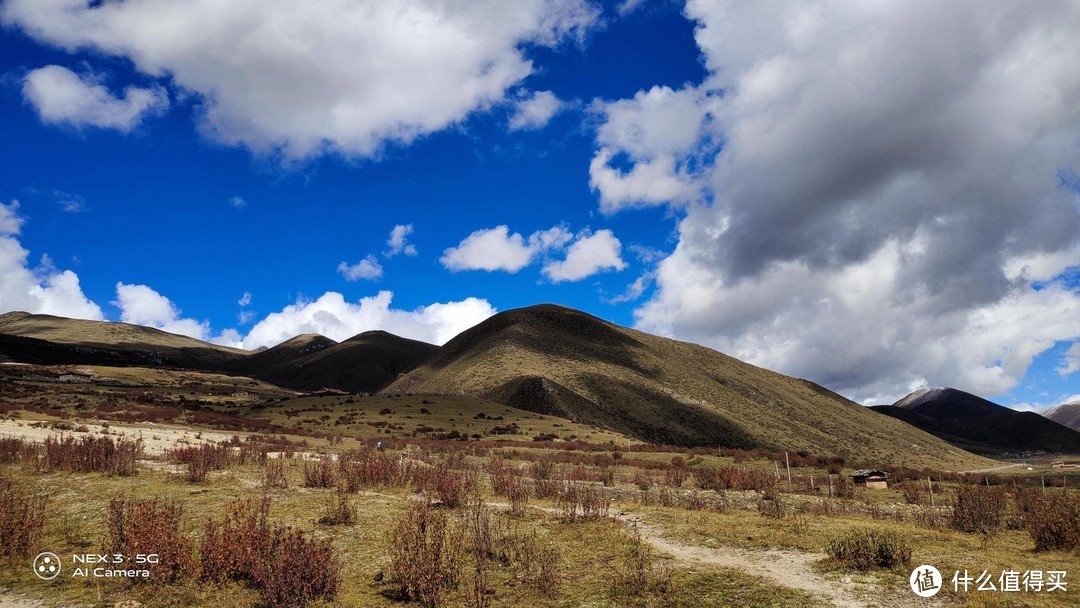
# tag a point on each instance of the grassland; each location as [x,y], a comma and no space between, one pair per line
[706,542]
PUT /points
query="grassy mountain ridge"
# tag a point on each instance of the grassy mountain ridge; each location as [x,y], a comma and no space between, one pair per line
[47,339]
[549,359]
[364,363]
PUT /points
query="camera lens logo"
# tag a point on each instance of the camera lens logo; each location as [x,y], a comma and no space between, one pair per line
[925,581]
[47,566]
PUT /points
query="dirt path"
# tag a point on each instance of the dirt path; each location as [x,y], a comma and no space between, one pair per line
[156,438]
[784,567]
[793,569]
[13,600]
[992,469]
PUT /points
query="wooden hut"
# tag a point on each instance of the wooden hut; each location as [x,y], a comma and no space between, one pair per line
[871,478]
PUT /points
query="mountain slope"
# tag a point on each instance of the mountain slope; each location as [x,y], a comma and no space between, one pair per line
[980,425]
[47,339]
[1067,414]
[551,359]
[364,363]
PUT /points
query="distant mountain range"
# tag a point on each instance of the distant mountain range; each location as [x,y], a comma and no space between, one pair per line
[365,363]
[547,359]
[1067,414]
[981,426]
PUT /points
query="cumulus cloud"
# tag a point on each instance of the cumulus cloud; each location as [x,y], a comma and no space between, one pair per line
[497,249]
[141,305]
[399,241]
[658,133]
[648,183]
[237,202]
[334,317]
[535,111]
[245,300]
[590,254]
[1070,363]
[882,187]
[11,222]
[301,79]
[43,290]
[61,96]
[493,249]
[367,268]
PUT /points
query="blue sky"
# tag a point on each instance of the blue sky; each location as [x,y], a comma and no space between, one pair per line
[700,173]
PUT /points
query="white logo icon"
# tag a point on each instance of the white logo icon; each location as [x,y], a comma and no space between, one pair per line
[47,565]
[925,581]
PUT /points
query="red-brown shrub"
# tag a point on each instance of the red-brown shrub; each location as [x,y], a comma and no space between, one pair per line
[144,527]
[17,449]
[91,453]
[288,568]
[732,478]
[275,474]
[1054,520]
[451,487]
[423,558]
[319,473]
[297,569]
[582,501]
[230,548]
[22,517]
[370,469]
[338,510]
[978,509]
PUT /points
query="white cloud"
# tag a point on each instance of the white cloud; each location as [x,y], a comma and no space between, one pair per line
[494,249]
[10,221]
[368,269]
[634,290]
[332,316]
[245,300]
[490,249]
[626,7]
[657,122]
[306,78]
[43,290]
[61,96]
[535,111]
[1070,363]
[237,202]
[141,305]
[881,187]
[71,203]
[588,255]
[648,183]
[657,132]
[230,337]
[399,241]
[552,238]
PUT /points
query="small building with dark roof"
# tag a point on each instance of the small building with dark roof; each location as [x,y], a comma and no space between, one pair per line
[871,478]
